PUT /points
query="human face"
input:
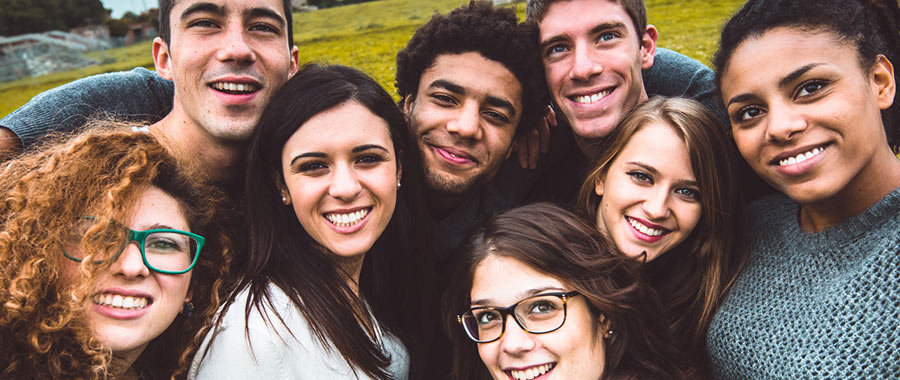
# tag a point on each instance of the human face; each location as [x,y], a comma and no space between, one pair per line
[341,174]
[806,116]
[593,58]
[464,116]
[227,58]
[649,196]
[574,351]
[132,305]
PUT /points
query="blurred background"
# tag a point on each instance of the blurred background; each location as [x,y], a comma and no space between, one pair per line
[46,43]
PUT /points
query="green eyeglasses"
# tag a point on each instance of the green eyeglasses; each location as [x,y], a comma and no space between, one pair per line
[163,250]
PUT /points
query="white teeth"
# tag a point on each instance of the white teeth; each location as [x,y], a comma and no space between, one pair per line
[235,87]
[594,98]
[120,302]
[346,220]
[644,229]
[530,373]
[801,157]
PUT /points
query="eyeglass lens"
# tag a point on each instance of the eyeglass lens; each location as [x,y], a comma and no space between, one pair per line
[168,251]
[539,314]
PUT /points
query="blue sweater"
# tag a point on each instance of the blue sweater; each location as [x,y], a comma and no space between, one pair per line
[814,306]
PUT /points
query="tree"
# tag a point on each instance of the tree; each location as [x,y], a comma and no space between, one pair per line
[33,16]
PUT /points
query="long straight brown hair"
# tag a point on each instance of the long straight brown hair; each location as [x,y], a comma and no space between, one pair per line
[694,276]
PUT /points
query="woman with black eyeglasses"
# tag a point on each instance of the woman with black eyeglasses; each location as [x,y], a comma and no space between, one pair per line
[544,296]
[110,262]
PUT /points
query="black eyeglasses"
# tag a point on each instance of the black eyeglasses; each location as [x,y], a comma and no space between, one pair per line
[163,250]
[538,314]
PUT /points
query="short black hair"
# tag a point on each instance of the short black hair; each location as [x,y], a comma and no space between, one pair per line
[493,32]
[165,27]
[871,26]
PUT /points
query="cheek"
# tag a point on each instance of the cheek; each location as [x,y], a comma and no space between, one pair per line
[488,353]
[690,216]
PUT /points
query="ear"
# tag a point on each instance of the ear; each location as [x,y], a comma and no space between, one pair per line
[598,186]
[282,189]
[190,294]
[648,46]
[408,105]
[399,172]
[883,82]
[162,58]
[604,324]
[295,60]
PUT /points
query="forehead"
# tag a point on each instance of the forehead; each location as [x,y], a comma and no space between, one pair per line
[502,281]
[669,153]
[580,16]
[344,127]
[478,76]
[237,7]
[764,62]
[154,206]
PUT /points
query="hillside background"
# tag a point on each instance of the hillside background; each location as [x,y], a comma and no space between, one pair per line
[368,36]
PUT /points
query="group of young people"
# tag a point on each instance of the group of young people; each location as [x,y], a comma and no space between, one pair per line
[246,216]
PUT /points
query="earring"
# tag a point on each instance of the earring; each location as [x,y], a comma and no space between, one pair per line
[283,199]
[398,184]
[608,334]
[187,309]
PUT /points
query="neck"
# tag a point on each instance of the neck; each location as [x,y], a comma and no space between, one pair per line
[187,139]
[352,268]
[441,204]
[880,177]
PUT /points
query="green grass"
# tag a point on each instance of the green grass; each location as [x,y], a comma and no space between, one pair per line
[368,36]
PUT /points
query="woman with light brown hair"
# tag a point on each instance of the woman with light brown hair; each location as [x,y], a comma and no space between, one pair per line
[111,264]
[664,189]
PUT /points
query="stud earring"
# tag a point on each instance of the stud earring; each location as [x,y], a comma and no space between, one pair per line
[608,334]
[398,184]
[284,199]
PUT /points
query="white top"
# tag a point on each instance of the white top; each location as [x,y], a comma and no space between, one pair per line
[286,350]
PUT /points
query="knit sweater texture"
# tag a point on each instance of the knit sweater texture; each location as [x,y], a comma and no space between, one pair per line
[824,305]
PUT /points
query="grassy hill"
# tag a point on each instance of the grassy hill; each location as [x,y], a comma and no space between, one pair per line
[368,36]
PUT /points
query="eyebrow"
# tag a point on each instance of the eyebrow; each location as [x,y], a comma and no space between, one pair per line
[202,8]
[788,79]
[361,148]
[524,295]
[652,170]
[490,99]
[265,13]
[596,29]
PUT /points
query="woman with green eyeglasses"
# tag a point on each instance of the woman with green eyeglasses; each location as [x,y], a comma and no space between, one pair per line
[543,296]
[110,264]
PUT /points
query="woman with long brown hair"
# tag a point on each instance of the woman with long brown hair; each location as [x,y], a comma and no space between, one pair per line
[663,188]
[110,261]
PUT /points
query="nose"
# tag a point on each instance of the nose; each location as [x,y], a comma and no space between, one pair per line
[585,63]
[784,123]
[344,183]
[130,264]
[235,47]
[515,340]
[467,124]
[656,205]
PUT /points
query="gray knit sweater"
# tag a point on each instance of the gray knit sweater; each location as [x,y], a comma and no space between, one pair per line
[814,306]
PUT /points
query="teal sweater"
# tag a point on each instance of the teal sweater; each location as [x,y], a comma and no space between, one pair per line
[814,306]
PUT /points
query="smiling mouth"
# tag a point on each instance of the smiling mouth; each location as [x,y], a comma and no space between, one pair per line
[121,302]
[235,88]
[590,99]
[530,373]
[654,232]
[456,158]
[347,219]
[802,156]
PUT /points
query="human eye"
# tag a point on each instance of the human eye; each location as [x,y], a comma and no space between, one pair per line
[810,87]
[159,242]
[640,177]
[497,117]
[203,23]
[312,167]
[369,159]
[486,317]
[443,99]
[688,193]
[542,306]
[264,27]
[747,113]
[555,50]
[606,36]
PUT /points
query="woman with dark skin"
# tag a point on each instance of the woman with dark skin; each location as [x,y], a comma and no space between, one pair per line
[809,88]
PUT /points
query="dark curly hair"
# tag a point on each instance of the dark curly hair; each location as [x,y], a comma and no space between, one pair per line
[491,31]
[869,25]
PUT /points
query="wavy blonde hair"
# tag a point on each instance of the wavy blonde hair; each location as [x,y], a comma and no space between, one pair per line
[101,172]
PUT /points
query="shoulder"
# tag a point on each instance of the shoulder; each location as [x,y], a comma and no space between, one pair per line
[675,74]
